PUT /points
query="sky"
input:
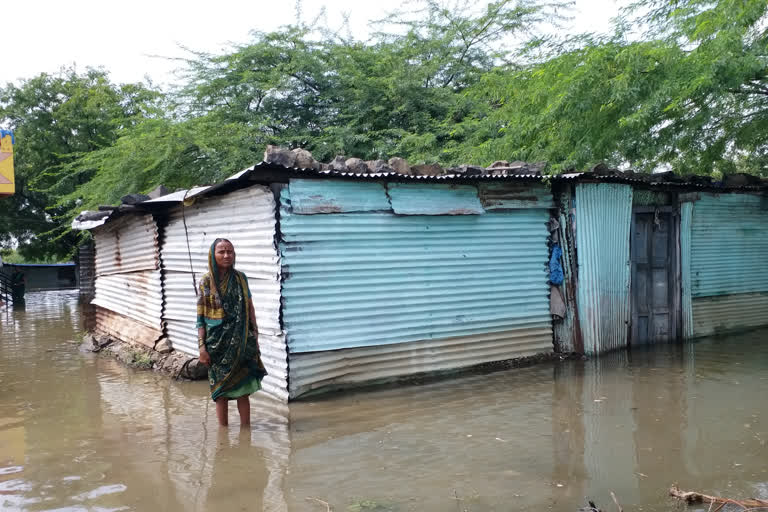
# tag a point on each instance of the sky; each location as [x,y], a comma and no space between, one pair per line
[128,38]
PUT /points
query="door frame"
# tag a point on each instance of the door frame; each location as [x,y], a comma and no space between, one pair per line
[676,282]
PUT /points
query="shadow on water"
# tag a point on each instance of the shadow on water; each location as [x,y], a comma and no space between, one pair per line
[81,432]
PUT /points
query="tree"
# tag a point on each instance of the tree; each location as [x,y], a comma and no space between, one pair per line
[692,95]
[56,120]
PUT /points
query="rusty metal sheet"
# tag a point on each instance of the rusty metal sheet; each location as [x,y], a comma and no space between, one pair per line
[129,244]
[335,196]
[341,368]
[729,313]
[137,295]
[502,196]
[125,329]
[603,219]
[434,199]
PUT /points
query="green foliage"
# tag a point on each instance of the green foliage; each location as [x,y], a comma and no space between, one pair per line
[692,96]
[58,119]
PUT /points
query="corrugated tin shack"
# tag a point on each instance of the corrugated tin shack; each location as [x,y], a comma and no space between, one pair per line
[356,277]
[658,258]
[361,277]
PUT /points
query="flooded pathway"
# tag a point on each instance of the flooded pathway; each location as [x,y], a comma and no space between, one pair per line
[81,432]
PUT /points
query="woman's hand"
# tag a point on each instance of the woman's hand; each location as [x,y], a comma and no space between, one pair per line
[205,358]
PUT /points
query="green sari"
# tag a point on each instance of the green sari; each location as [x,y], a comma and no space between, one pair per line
[222,308]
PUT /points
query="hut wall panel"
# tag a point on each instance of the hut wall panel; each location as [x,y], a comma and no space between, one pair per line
[686,216]
[343,368]
[137,295]
[335,196]
[247,218]
[129,244]
[603,219]
[728,313]
[729,243]
[434,199]
[376,279]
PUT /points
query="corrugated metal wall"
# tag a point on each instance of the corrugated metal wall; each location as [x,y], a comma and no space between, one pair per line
[400,294]
[729,243]
[247,218]
[86,265]
[686,216]
[128,280]
[565,329]
[127,245]
[603,220]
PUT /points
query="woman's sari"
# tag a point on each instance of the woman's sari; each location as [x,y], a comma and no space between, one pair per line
[222,308]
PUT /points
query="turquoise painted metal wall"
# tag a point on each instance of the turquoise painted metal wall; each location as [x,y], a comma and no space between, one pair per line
[729,245]
[603,220]
[372,279]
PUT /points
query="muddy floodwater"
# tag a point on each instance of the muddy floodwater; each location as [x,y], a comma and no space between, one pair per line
[79,431]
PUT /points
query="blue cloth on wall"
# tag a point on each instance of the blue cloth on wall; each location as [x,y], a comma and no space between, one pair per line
[555,267]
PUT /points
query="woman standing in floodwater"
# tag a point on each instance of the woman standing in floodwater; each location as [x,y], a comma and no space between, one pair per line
[227,333]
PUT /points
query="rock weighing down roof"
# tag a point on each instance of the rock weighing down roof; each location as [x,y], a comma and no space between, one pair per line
[302,159]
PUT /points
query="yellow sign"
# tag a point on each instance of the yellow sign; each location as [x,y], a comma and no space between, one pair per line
[7,183]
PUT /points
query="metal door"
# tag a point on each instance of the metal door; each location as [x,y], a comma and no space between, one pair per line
[655,287]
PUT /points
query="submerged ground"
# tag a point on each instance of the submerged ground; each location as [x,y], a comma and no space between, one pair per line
[79,431]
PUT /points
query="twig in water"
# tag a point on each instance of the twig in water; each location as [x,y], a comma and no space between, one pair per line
[695,497]
[616,502]
[327,505]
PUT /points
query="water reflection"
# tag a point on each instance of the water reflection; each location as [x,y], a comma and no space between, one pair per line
[82,432]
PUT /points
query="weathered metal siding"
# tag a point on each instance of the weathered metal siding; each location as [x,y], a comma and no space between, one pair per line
[603,219]
[394,295]
[137,295]
[729,241]
[729,245]
[349,366]
[686,215]
[127,245]
[247,218]
[86,265]
[514,196]
[728,313]
[567,339]
[128,285]
[336,196]
[434,199]
[124,328]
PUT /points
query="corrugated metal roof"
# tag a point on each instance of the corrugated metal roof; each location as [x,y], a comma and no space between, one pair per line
[247,218]
[137,295]
[729,244]
[353,280]
[721,314]
[656,180]
[178,196]
[128,245]
[316,370]
[603,219]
